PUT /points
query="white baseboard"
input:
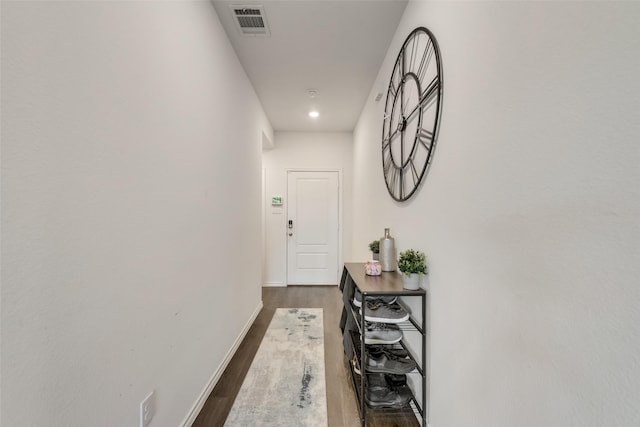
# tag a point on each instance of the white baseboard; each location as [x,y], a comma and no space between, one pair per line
[274,285]
[197,407]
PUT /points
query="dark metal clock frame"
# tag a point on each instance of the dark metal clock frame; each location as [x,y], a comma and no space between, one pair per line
[412,114]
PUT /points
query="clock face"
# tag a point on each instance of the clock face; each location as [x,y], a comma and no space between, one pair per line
[412,114]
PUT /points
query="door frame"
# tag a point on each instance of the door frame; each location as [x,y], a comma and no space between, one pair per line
[286,207]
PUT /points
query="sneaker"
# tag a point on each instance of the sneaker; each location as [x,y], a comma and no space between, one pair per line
[376,311]
[377,381]
[389,364]
[396,380]
[357,299]
[388,381]
[387,397]
[381,333]
[396,353]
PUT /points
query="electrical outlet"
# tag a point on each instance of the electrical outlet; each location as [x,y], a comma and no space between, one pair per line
[147,409]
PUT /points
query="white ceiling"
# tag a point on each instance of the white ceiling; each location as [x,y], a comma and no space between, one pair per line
[335,47]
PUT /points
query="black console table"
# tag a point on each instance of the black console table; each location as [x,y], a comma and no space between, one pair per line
[352,324]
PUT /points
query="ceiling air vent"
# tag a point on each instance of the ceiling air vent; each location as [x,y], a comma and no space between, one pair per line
[250,20]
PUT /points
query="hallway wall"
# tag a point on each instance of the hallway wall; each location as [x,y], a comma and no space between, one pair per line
[131,144]
[301,150]
[530,214]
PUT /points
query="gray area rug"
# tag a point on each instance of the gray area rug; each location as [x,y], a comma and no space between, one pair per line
[285,385]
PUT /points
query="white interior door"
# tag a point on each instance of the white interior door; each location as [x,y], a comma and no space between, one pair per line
[312,228]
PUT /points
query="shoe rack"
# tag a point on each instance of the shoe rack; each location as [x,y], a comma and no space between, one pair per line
[352,324]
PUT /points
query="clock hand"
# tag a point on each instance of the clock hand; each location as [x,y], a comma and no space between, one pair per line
[429,93]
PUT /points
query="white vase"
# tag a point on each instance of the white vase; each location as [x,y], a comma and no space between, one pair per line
[411,281]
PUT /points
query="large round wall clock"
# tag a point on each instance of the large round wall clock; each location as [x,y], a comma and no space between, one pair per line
[412,114]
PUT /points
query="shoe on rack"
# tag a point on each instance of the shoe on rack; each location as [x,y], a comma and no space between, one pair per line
[390,351]
[388,381]
[396,380]
[381,333]
[377,381]
[387,397]
[389,364]
[357,299]
[377,311]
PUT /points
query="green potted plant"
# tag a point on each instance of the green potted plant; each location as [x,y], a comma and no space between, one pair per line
[412,264]
[375,249]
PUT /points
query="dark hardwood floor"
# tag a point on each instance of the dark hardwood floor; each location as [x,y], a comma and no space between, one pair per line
[341,406]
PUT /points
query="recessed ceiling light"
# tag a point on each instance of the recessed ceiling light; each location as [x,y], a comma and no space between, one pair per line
[313,114]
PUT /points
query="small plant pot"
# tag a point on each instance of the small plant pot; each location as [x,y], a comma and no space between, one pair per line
[376,256]
[411,282]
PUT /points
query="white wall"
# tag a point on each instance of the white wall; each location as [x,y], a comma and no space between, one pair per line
[530,215]
[131,144]
[301,150]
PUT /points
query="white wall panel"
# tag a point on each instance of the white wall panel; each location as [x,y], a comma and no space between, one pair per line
[131,141]
[530,214]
